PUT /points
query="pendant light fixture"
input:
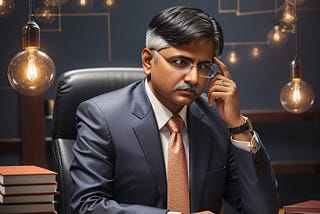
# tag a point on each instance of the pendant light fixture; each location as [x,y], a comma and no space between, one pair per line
[82,5]
[233,57]
[108,3]
[289,12]
[255,52]
[46,13]
[296,96]
[276,37]
[31,72]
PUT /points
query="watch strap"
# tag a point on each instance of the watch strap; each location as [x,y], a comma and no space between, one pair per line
[242,128]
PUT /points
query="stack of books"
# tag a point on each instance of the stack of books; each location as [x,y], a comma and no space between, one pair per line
[27,189]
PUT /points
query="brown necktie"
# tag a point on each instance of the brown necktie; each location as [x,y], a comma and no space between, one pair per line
[178,187]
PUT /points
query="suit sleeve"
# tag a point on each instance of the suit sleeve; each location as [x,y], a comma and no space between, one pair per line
[92,169]
[252,183]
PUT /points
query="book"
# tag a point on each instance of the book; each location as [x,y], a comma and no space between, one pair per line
[27,208]
[306,207]
[26,175]
[27,198]
[54,212]
[28,188]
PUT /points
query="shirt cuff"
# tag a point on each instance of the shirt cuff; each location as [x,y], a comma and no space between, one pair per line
[251,146]
[170,212]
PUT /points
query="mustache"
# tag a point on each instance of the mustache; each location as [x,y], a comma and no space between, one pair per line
[187,86]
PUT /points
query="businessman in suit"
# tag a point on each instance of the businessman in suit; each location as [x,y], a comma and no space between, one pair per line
[122,153]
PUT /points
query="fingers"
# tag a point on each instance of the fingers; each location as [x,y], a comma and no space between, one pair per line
[221,89]
[220,82]
[222,67]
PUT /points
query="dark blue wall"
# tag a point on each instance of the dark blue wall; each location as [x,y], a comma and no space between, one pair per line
[115,37]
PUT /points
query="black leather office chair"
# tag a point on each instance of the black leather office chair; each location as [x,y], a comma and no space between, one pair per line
[74,87]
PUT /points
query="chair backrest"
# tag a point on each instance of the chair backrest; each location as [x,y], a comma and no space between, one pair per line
[74,87]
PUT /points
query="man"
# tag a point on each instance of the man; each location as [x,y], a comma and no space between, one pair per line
[123,162]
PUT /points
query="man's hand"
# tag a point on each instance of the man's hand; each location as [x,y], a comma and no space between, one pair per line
[225,92]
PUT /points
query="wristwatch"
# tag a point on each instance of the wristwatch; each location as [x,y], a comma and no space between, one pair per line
[246,126]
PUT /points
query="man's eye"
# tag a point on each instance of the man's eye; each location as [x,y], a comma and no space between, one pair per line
[204,66]
[182,63]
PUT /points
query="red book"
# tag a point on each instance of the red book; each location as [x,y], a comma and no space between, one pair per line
[26,175]
[307,207]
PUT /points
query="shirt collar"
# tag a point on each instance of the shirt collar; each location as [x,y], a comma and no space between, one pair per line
[162,113]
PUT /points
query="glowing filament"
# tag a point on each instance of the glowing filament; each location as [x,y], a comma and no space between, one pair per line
[233,57]
[32,72]
[289,14]
[296,94]
[276,37]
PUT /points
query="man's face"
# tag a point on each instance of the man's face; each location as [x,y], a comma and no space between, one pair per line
[175,89]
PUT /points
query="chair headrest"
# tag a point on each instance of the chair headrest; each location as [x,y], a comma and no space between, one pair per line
[75,86]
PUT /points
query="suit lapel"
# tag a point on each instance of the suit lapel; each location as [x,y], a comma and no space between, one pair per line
[148,136]
[199,152]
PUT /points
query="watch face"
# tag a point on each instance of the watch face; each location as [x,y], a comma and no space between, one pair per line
[249,124]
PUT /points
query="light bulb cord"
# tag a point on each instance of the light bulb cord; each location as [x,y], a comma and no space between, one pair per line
[30,10]
[276,12]
[275,9]
[296,29]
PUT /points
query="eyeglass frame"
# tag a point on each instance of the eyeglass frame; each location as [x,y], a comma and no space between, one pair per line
[212,72]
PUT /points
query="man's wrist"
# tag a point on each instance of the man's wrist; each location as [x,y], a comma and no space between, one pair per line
[246,125]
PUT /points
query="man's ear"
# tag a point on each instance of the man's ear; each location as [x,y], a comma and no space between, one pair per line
[146,57]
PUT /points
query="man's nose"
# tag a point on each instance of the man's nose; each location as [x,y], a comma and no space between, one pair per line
[192,76]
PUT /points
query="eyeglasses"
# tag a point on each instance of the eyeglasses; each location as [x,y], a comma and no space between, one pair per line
[184,65]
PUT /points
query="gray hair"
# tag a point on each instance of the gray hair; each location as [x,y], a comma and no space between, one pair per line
[154,41]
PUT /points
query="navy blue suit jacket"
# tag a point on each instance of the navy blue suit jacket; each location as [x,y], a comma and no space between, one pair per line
[118,164]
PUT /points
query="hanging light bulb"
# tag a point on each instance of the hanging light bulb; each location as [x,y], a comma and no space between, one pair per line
[289,14]
[82,5]
[255,52]
[233,57]
[276,37]
[6,7]
[45,13]
[31,72]
[296,96]
[108,3]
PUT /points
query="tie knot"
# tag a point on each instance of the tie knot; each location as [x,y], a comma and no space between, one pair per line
[175,124]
